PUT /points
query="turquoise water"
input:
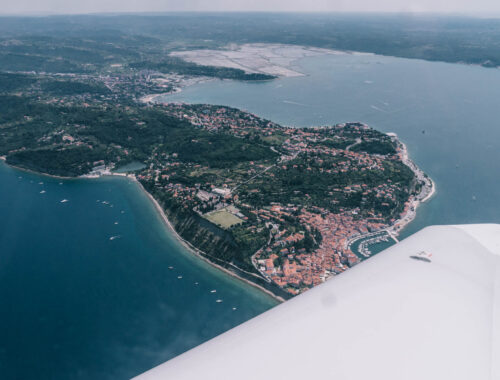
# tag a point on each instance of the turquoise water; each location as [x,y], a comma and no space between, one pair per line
[77,305]
[448,115]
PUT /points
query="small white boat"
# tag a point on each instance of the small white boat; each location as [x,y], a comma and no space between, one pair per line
[234,308]
[179,277]
[114,237]
[213,291]
[116,222]
[42,192]
[40,183]
[64,201]
[218,301]
[170,268]
[196,283]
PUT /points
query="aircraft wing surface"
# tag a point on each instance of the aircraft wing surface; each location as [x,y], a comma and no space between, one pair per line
[435,315]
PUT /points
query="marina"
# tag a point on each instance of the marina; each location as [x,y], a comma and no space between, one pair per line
[361,245]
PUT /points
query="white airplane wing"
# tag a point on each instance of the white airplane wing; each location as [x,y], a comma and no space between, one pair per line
[393,317]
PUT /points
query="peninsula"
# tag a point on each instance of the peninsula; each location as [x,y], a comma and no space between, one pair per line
[277,206]
[281,207]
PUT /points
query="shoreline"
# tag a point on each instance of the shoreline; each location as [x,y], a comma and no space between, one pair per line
[286,68]
[4,160]
[395,229]
[392,230]
[189,247]
[179,87]
[195,251]
[277,59]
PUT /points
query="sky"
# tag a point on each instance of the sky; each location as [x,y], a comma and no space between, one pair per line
[478,7]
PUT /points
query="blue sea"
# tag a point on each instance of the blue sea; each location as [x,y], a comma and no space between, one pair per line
[77,305]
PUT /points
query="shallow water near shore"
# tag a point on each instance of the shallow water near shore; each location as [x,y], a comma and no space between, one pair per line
[77,305]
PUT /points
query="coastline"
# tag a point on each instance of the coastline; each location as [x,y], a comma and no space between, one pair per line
[266,51]
[4,160]
[189,247]
[427,191]
[193,250]
[259,57]
[418,172]
[397,227]
[392,230]
[179,86]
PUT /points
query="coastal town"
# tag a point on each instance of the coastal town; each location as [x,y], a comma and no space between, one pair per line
[365,185]
[283,207]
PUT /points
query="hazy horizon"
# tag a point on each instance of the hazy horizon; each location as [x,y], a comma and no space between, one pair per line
[479,8]
[155,13]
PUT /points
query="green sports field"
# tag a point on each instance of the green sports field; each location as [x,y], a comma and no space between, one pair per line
[223,218]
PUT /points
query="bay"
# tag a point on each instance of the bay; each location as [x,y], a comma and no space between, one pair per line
[85,286]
